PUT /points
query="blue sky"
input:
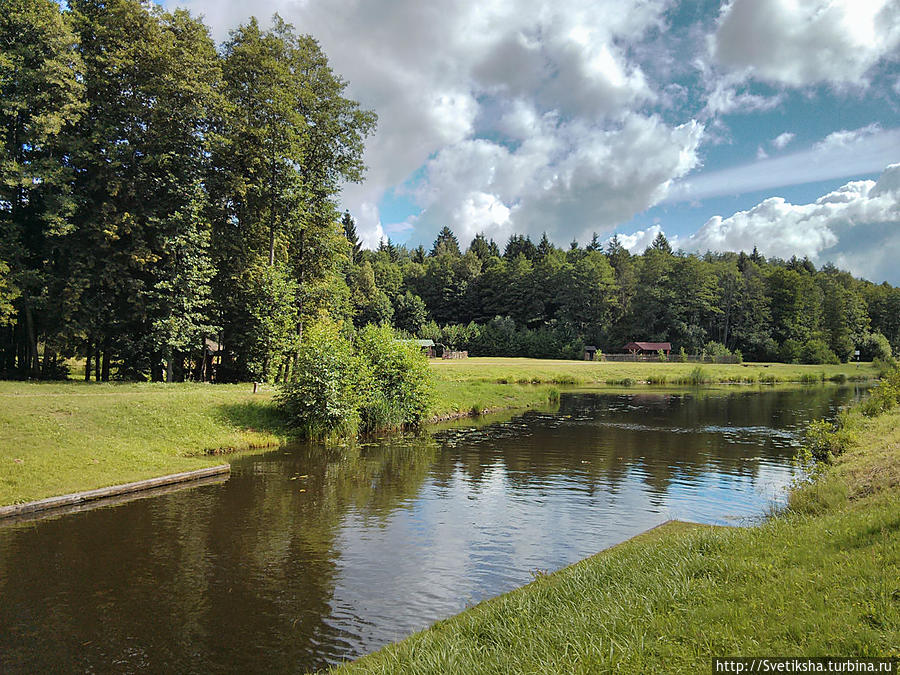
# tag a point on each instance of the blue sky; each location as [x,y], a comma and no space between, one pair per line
[721,124]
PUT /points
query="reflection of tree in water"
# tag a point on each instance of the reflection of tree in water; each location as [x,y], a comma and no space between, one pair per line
[231,576]
[600,441]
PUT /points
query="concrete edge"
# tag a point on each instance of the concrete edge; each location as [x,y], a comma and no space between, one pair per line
[112,491]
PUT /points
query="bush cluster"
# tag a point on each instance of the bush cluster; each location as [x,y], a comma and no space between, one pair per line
[350,382]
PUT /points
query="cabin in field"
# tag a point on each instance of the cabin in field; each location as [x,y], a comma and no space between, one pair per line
[648,348]
[427,347]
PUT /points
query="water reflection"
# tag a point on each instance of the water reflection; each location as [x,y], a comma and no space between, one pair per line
[310,555]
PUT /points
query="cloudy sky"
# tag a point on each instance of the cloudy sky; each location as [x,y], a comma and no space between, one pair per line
[723,124]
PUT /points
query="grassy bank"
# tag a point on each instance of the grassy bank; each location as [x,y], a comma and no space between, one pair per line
[819,579]
[57,438]
[503,370]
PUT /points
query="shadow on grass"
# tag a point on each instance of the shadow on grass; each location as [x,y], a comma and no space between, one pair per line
[261,416]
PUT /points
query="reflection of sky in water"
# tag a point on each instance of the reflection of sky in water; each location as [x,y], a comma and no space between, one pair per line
[308,555]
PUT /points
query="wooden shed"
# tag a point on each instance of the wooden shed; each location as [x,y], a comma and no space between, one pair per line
[590,353]
[640,348]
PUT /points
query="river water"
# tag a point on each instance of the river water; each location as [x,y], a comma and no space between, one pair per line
[307,555]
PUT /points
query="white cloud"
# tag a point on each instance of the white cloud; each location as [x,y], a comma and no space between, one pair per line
[435,72]
[640,240]
[761,153]
[781,140]
[857,227]
[840,154]
[803,42]
[725,98]
[566,178]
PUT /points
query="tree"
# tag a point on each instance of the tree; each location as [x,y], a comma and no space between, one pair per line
[520,245]
[480,247]
[350,232]
[142,232]
[41,92]
[445,243]
[660,243]
[410,314]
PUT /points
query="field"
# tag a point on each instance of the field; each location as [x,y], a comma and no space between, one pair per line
[503,370]
[819,579]
[57,438]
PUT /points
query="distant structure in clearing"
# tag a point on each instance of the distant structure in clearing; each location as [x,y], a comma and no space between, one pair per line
[427,347]
[644,348]
[590,353]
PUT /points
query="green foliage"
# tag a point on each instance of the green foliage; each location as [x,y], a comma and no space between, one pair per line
[398,391]
[661,355]
[885,395]
[682,355]
[345,384]
[265,326]
[875,346]
[325,397]
[816,351]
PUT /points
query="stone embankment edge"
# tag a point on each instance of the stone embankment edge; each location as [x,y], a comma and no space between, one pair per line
[112,491]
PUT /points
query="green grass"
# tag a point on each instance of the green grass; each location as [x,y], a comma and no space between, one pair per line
[819,579]
[66,437]
[548,371]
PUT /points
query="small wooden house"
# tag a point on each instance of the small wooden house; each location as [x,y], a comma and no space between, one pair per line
[590,353]
[643,348]
[427,346]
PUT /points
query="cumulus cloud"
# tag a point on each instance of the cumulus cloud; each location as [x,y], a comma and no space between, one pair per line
[804,42]
[638,242]
[527,74]
[857,227]
[564,178]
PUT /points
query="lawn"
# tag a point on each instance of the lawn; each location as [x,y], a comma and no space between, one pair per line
[510,370]
[820,579]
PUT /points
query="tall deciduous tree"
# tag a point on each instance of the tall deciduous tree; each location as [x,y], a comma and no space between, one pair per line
[40,93]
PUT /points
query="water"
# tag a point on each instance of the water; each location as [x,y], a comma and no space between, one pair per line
[307,556]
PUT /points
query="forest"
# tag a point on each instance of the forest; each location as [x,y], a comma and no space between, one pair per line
[162,196]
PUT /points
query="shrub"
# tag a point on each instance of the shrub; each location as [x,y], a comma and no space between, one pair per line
[682,355]
[344,385]
[875,346]
[884,396]
[661,355]
[816,351]
[398,390]
[324,399]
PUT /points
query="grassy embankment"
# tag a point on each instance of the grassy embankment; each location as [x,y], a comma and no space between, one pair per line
[57,438]
[818,579]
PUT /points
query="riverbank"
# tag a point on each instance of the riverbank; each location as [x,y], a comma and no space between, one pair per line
[818,579]
[59,438]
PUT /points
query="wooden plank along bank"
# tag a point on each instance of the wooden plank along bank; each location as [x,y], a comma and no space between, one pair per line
[112,491]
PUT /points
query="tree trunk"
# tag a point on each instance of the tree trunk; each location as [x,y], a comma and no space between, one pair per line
[33,365]
[87,364]
[105,370]
[97,364]
[170,366]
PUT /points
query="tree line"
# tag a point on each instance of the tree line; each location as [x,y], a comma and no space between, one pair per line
[163,197]
[539,300]
[157,191]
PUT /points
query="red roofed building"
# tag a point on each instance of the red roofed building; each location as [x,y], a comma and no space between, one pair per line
[648,347]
